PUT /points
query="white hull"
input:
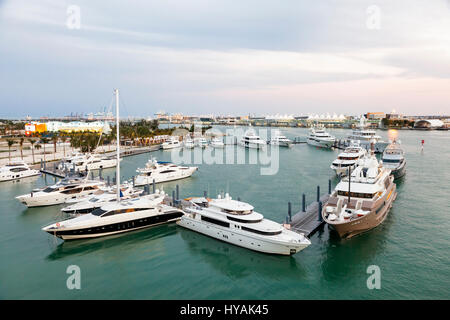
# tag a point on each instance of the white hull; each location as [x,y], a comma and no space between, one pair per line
[8,176]
[282,144]
[320,143]
[238,238]
[171,146]
[103,164]
[250,145]
[142,180]
[52,199]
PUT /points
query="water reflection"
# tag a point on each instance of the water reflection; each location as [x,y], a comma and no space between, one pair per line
[131,240]
[238,263]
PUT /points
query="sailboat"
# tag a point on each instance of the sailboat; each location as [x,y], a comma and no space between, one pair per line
[119,216]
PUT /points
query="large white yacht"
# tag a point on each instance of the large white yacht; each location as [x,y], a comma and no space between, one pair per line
[362,200]
[188,143]
[162,171]
[280,140]
[81,162]
[16,170]
[173,142]
[348,158]
[367,137]
[115,217]
[201,142]
[253,141]
[318,137]
[217,143]
[394,159]
[89,205]
[61,192]
[237,223]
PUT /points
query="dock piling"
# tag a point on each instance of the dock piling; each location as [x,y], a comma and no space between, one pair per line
[154,186]
[290,211]
[318,193]
[329,186]
[303,203]
[205,194]
[173,197]
[320,211]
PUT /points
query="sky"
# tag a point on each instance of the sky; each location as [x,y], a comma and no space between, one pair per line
[224,57]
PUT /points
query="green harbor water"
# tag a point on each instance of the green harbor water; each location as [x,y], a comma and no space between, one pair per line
[411,248]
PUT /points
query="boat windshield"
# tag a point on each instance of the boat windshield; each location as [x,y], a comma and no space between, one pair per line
[49,189]
[98,212]
[391,160]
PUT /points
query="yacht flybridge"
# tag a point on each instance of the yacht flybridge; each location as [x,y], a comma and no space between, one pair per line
[237,223]
[348,158]
[161,171]
[71,188]
[367,137]
[362,200]
[394,159]
[118,216]
[318,137]
[280,140]
[16,170]
[252,141]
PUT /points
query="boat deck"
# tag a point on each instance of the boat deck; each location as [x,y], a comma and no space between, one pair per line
[310,221]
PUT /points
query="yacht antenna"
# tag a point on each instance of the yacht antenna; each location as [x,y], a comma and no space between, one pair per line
[116,91]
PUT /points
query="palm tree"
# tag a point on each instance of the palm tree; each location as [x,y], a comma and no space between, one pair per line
[44,141]
[10,144]
[32,142]
[63,140]
[54,140]
[21,146]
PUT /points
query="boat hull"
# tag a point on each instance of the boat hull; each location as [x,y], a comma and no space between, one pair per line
[115,228]
[142,180]
[245,241]
[18,175]
[371,220]
[321,144]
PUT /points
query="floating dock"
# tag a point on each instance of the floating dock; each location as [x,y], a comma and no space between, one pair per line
[310,220]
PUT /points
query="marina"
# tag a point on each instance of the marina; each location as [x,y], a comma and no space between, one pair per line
[398,238]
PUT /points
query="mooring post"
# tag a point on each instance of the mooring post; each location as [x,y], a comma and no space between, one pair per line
[205,194]
[329,186]
[148,188]
[173,197]
[320,211]
[178,192]
[108,181]
[303,203]
[287,220]
[154,186]
[239,198]
[290,211]
[134,182]
[318,193]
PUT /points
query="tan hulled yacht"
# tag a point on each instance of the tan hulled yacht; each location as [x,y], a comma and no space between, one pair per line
[372,192]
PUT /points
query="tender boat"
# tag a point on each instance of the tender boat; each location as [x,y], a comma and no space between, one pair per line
[84,162]
[173,142]
[237,223]
[280,140]
[61,192]
[252,141]
[217,143]
[161,171]
[348,158]
[318,137]
[394,159]
[16,170]
[367,137]
[362,200]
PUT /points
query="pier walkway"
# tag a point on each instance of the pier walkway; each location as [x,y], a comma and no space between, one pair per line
[310,220]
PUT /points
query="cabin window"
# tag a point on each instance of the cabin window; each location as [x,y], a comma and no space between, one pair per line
[391,160]
[215,221]
[356,194]
[243,221]
[167,171]
[98,212]
[266,233]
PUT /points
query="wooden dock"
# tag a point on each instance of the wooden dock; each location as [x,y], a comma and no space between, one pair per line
[309,221]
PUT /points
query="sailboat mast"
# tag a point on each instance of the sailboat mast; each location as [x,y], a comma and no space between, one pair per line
[118,145]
